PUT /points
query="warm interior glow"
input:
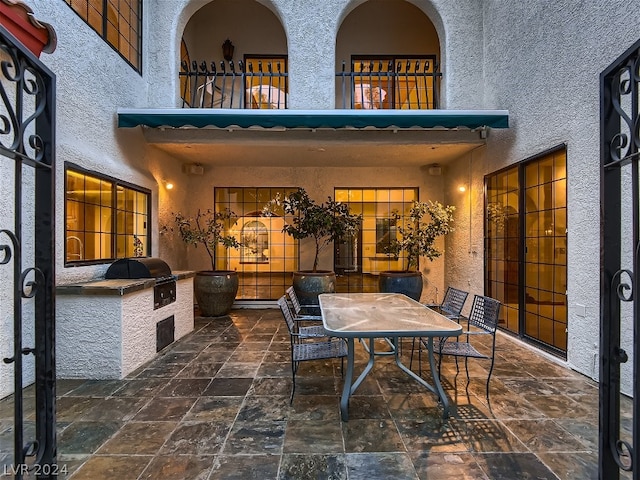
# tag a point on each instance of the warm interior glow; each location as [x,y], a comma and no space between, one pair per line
[169,185]
[462,188]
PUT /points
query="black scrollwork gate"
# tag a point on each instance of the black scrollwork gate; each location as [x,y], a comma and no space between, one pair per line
[27,103]
[619,200]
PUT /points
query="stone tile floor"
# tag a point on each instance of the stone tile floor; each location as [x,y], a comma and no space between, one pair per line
[215,405]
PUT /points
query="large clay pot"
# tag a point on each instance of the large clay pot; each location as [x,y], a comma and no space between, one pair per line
[401,281]
[215,291]
[308,285]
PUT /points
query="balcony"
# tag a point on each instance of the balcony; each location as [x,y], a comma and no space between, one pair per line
[364,84]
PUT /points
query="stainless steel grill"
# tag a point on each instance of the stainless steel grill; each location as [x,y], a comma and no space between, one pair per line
[164,291]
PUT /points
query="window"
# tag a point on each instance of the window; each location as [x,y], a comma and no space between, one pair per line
[383,211]
[105,218]
[118,22]
[268,256]
[383,82]
[385,234]
[266,82]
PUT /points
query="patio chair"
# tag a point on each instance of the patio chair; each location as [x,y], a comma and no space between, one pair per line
[452,303]
[482,321]
[451,307]
[305,347]
[306,313]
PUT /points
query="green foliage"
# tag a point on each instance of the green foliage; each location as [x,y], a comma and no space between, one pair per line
[208,229]
[417,236]
[325,222]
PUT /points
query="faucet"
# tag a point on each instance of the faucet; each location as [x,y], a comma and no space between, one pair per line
[80,254]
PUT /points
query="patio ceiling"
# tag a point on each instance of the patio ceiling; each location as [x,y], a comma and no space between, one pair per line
[314,138]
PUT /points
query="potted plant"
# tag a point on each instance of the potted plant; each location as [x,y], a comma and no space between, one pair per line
[417,239]
[324,223]
[215,290]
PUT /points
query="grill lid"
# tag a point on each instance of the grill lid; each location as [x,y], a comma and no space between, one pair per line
[138,267]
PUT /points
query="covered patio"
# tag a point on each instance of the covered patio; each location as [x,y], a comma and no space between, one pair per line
[215,405]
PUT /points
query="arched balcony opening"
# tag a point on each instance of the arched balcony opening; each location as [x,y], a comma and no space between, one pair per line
[234,55]
[387,57]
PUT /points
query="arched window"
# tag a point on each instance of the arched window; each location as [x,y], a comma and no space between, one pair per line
[255,239]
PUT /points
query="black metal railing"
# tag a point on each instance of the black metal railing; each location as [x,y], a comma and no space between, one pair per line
[205,85]
[411,84]
[395,84]
[27,252]
[619,262]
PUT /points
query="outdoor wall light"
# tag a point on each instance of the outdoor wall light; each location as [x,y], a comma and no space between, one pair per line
[168,185]
[462,188]
[227,50]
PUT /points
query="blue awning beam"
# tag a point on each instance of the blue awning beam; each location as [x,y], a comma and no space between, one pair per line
[310,119]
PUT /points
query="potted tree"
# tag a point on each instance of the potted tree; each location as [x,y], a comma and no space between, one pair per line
[417,239]
[324,223]
[215,290]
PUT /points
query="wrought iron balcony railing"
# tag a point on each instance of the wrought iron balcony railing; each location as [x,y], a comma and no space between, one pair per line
[370,84]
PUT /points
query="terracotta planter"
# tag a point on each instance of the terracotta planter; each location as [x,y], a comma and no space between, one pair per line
[308,285]
[215,291]
[401,281]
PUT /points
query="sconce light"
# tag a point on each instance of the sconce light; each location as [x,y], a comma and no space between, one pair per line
[462,188]
[168,185]
[227,50]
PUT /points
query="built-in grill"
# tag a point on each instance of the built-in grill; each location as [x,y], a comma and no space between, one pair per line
[164,291]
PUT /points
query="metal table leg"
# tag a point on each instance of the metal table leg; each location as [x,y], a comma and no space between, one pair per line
[348,387]
[436,380]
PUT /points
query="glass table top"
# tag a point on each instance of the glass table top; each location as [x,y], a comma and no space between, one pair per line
[382,315]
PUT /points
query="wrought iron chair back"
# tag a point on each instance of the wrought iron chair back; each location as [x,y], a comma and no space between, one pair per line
[451,307]
[482,320]
[301,313]
[484,313]
[308,347]
[453,302]
[288,316]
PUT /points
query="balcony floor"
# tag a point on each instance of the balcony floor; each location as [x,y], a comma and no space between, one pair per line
[215,405]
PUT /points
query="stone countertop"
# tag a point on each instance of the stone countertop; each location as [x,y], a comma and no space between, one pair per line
[118,287]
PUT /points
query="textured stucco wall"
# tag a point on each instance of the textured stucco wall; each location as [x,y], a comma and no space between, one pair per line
[88,336]
[92,81]
[108,336]
[543,65]
[465,246]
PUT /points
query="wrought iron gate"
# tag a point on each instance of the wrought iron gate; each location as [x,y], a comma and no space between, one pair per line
[27,126]
[620,253]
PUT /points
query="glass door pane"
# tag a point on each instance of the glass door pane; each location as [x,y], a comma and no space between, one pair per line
[268,257]
[503,245]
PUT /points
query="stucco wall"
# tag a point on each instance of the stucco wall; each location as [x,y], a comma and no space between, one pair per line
[92,82]
[109,336]
[543,65]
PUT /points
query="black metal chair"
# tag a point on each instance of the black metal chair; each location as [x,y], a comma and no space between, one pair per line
[451,307]
[452,303]
[305,346]
[482,321]
[306,313]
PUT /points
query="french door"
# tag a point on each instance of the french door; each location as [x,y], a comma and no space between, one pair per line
[526,248]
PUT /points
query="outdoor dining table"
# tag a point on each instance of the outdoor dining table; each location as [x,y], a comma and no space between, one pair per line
[383,315]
